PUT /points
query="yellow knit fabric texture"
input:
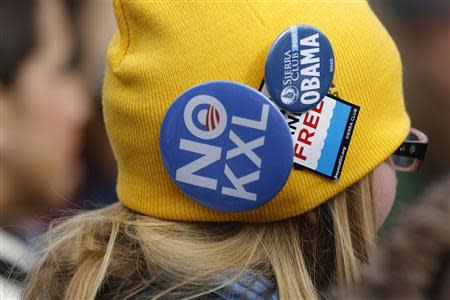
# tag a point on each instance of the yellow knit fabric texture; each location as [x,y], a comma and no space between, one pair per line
[163,48]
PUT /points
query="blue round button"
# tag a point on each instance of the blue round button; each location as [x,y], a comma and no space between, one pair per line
[299,68]
[226,146]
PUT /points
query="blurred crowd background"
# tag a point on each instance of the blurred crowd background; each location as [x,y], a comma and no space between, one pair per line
[421,30]
[55,155]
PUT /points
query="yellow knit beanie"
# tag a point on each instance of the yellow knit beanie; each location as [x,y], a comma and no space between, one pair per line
[163,48]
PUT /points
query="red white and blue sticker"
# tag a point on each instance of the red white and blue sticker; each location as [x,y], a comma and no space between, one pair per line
[300,68]
[226,146]
[322,135]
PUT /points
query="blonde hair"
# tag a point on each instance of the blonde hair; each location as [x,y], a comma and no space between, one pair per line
[119,253]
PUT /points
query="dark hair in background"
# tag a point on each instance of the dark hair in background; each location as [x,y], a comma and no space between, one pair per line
[17,36]
[74,8]
[413,9]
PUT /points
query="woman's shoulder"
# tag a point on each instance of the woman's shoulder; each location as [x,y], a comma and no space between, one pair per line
[249,286]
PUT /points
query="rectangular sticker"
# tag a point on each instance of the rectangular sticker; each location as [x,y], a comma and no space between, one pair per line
[322,135]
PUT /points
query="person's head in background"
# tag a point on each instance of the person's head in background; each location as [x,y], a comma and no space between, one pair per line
[96,24]
[426,30]
[159,243]
[44,108]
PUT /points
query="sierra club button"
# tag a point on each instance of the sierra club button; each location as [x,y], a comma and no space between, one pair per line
[300,68]
[226,146]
